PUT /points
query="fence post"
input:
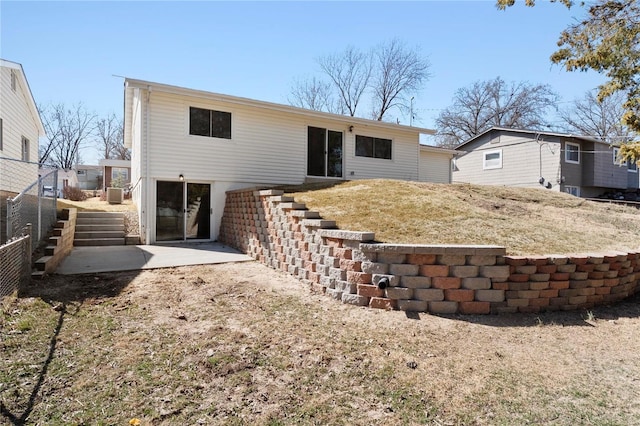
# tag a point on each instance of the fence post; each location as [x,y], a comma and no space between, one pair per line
[39,207]
[29,249]
[9,209]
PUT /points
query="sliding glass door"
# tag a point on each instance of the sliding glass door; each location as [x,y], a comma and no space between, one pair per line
[183,211]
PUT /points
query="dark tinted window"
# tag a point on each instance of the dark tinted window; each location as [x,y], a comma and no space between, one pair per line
[367,146]
[205,122]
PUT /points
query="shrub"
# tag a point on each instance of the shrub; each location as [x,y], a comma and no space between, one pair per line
[74,193]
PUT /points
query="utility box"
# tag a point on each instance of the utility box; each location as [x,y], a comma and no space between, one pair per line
[114,195]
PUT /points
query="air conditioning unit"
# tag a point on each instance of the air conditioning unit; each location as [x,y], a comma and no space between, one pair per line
[114,195]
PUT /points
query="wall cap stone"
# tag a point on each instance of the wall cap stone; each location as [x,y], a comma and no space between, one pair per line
[442,249]
[347,235]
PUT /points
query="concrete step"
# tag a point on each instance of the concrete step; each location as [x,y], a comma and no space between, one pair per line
[51,250]
[100,221]
[81,235]
[96,215]
[97,228]
[99,242]
[42,262]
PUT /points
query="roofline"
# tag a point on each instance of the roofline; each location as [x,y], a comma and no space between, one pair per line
[142,84]
[32,102]
[431,148]
[533,132]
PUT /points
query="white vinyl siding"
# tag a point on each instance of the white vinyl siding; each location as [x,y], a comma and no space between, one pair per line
[435,167]
[17,122]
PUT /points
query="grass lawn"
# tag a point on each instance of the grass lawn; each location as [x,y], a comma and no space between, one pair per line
[525,221]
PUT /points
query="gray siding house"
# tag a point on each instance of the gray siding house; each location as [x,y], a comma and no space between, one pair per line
[579,165]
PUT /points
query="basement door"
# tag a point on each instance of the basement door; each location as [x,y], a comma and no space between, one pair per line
[183,211]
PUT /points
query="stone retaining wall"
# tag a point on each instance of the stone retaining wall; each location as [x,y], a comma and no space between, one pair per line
[445,279]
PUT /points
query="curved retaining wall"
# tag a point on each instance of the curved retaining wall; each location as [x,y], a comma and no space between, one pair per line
[443,279]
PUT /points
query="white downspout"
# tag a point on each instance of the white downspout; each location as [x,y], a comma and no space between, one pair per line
[146,169]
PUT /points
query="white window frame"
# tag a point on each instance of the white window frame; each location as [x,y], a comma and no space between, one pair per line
[24,142]
[616,160]
[486,165]
[566,152]
[117,171]
[632,167]
[572,190]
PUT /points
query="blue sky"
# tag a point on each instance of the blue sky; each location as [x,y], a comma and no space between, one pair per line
[71,50]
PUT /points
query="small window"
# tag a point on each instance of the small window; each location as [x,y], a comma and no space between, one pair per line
[572,190]
[120,173]
[571,153]
[616,158]
[632,166]
[13,80]
[25,149]
[492,160]
[211,123]
[367,146]
[81,172]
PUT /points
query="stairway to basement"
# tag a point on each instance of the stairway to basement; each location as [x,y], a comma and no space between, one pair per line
[99,229]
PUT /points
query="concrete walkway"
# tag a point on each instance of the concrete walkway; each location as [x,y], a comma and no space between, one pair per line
[84,260]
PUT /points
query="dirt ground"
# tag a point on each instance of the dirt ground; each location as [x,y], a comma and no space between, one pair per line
[244,344]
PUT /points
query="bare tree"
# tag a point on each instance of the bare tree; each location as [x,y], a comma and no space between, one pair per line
[67,131]
[110,138]
[599,119]
[316,95]
[494,103]
[350,72]
[387,76]
[398,72]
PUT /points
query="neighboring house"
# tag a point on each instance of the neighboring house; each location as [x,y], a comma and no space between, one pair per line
[65,178]
[579,165]
[188,147]
[115,170]
[89,177]
[20,129]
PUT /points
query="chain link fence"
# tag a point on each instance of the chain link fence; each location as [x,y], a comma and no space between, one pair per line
[28,201]
[15,262]
[34,202]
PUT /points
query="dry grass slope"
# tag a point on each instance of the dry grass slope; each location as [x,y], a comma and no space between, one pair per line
[525,221]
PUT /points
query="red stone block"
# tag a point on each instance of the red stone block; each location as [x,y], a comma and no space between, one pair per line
[367,290]
[342,253]
[515,260]
[358,277]
[559,285]
[519,278]
[547,269]
[474,308]
[459,295]
[434,270]
[446,282]
[383,303]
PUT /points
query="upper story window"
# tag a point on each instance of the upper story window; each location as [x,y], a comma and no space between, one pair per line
[572,152]
[616,158]
[211,123]
[13,80]
[492,160]
[25,149]
[367,146]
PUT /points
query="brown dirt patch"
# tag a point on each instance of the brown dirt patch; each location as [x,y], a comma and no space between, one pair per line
[244,344]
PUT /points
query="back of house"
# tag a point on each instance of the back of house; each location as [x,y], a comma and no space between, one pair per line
[189,147]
